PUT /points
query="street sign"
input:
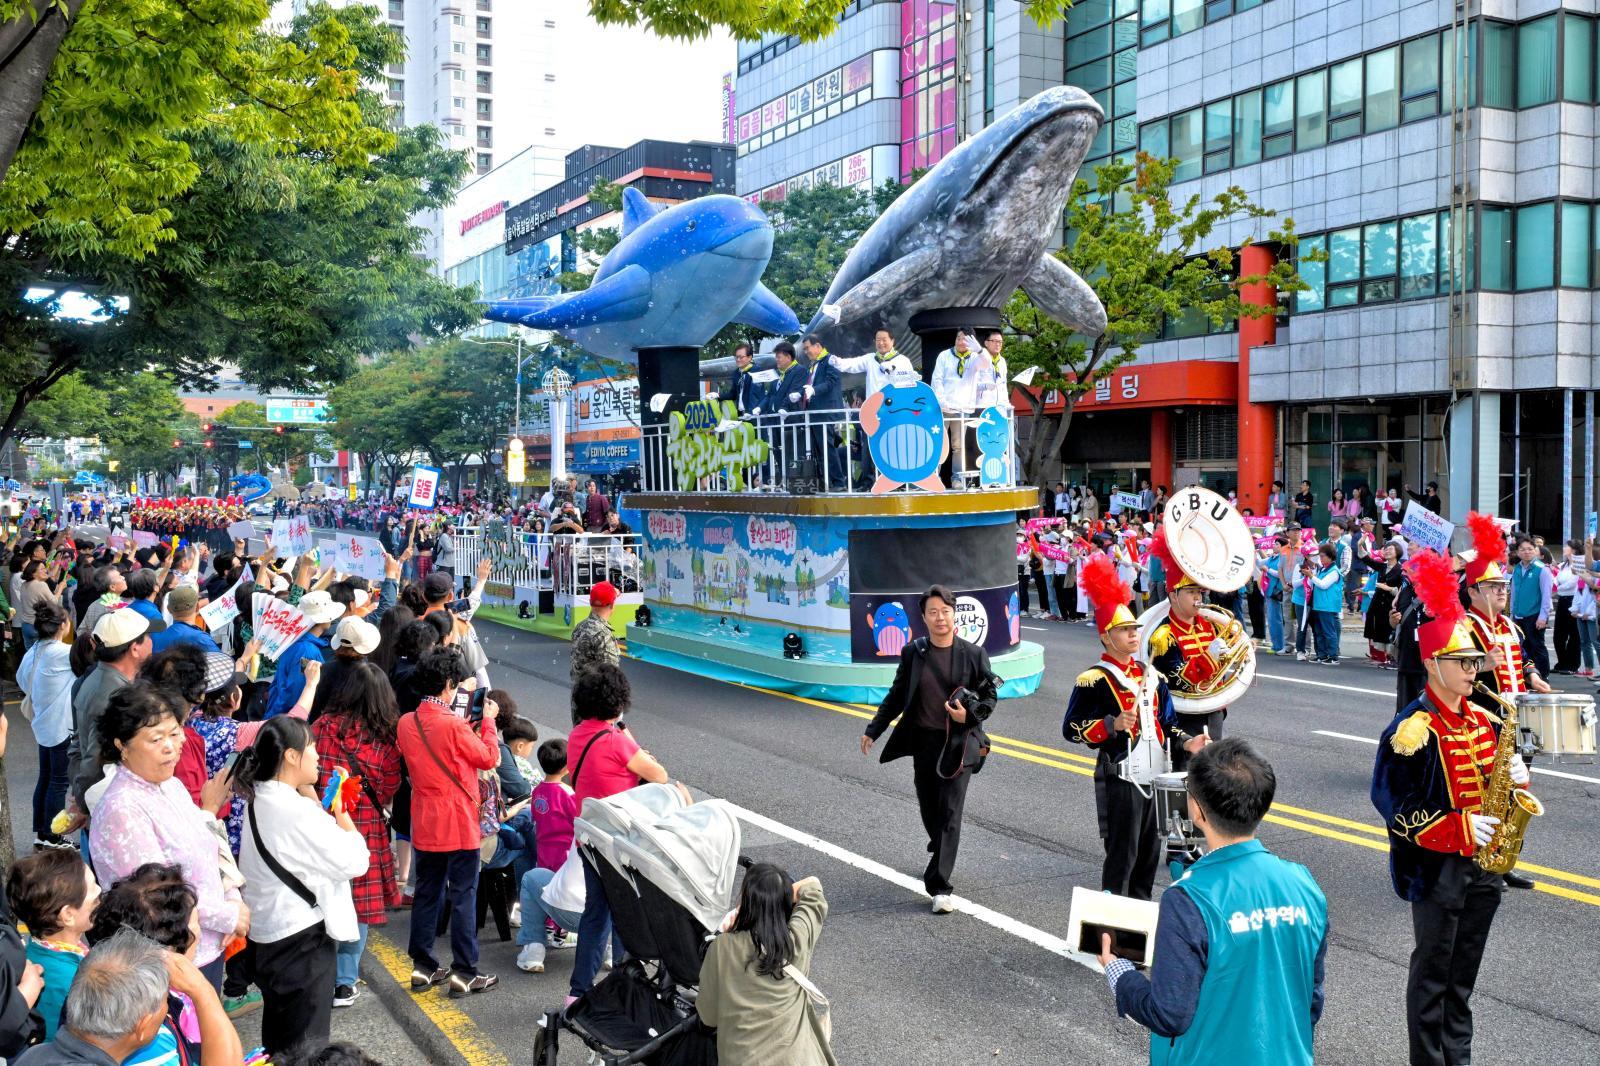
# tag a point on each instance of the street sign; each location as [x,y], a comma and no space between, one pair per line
[245,444]
[297,411]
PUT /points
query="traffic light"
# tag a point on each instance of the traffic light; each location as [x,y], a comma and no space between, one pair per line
[177,443]
[278,430]
[210,444]
[205,427]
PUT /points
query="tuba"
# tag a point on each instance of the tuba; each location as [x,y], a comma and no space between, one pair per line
[1515,807]
[1208,538]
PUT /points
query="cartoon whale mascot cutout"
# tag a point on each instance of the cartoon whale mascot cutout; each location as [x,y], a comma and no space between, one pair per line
[905,436]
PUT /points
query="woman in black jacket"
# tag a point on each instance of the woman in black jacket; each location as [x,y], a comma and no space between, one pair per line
[943,691]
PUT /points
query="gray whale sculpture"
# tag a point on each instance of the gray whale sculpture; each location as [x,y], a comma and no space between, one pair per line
[972,231]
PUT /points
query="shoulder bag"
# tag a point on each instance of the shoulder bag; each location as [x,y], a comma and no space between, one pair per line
[487,801]
[820,1007]
[290,881]
[971,748]
[577,767]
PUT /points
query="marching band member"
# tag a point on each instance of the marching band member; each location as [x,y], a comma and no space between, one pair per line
[1505,672]
[1186,646]
[1433,764]
[1242,937]
[1103,713]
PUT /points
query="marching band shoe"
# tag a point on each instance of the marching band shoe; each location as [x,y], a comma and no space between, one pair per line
[944,904]
[1516,880]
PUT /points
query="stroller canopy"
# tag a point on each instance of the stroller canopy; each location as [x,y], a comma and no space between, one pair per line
[689,851]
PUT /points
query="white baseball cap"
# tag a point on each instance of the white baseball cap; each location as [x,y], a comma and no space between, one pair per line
[120,626]
[356,633]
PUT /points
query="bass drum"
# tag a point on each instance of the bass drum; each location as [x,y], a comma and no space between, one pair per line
[1556,723]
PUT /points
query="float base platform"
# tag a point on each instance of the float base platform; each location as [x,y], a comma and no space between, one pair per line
[1020,670]
[552,625]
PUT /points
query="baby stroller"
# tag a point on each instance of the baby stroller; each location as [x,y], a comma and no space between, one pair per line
[669,870]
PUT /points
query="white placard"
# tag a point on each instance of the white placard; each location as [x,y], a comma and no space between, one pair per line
[242,530]
[1124,501]
[362,556]
[225,608]
[424,487]
[1424,529]
[292,536]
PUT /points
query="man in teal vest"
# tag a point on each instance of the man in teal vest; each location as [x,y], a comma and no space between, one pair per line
[1242,938]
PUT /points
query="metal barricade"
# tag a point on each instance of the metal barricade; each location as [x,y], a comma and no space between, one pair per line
[817,453]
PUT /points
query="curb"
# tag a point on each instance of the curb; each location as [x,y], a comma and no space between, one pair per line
[402,1007]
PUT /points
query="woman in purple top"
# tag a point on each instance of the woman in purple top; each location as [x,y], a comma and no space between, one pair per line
[146,815]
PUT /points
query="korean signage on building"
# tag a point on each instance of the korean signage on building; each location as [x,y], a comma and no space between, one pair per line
[814,95]
[730,121]
[854,170]
[1143,385]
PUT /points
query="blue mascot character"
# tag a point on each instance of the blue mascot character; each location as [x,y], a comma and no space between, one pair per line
[993,433]
[905,436]
[891,628]
[1014,617]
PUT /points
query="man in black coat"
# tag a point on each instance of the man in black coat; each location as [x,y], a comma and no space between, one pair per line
[942,737]
[742,389]
[825,396]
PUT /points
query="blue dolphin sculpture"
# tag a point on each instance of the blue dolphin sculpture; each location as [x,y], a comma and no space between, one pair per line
[678,275]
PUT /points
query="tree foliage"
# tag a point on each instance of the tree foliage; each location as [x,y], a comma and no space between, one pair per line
[749,20]
[288,259]
[101,135]
[1149,259]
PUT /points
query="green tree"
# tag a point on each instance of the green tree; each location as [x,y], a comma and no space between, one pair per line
[98,175]
[370,418]
[748,20]
[813,231]
[286,259]
[1149,259]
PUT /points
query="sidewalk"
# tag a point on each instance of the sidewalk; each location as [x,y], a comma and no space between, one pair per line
[385,1022]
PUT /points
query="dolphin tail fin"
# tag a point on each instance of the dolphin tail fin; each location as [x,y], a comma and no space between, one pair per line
[623,295]
[636,210]
[1065,297]
[764,311]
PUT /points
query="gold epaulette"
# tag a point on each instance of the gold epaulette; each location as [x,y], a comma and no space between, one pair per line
[1089,677]
[1160,642]
[1411,735]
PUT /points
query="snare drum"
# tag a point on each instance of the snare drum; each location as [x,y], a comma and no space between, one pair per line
[1559,723]
[1171,794]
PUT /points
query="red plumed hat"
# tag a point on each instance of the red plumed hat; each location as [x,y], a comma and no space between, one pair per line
[1108,594]
[1177,576]
[1434,579]
[1489,541]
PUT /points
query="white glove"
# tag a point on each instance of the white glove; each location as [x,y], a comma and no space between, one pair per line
[1519,771]
[810,392]
[832,311]
[1482,828]
[1218,648]
[794,397]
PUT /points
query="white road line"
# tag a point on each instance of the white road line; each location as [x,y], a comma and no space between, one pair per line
[1327,684]
[1536,769]
[1037,629]
[1003,922]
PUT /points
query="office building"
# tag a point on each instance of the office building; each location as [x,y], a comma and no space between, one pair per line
[1444,164]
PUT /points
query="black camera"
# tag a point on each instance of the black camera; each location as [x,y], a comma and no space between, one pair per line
[966,699]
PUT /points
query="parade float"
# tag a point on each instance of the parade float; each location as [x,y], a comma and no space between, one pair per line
[750,567]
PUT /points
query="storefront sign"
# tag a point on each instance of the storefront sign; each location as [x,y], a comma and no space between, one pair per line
[472,222]
[1144,385]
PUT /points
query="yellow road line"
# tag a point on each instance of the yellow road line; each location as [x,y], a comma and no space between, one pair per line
[1374,837]
[462,1032]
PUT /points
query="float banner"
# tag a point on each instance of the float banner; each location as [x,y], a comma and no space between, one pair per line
[890,569]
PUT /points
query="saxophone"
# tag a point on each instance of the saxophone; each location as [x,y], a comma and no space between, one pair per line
[1514,806]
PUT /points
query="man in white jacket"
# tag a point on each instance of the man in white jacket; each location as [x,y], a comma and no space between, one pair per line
[882,367]
[962,376]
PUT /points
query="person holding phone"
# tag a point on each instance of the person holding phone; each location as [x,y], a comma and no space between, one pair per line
[943,690]
[1243,926]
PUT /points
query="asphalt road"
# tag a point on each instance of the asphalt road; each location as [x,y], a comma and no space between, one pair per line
[909,987]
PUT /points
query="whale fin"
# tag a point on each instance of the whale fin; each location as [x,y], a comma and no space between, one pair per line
[623,295]
[636,210]
[1064,296]
[895,281]
[764,311]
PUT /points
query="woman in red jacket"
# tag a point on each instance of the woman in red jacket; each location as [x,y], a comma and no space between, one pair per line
[444,755]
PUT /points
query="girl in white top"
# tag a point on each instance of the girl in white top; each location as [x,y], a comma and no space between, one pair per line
[298,861]
[45,677]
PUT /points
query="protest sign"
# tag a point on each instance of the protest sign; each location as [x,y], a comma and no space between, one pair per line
[143,539]
[1424,529]
[225,608]
[292,536]
[280,626]
[424,487]
[242,530]
[117,541]
[1593,525]
[362,556]
[1124,501]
